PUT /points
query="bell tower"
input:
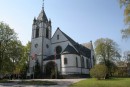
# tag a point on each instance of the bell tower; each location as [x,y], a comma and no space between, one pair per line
[41,26]
[41,39]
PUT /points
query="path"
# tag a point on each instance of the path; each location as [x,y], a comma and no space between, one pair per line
[61,83]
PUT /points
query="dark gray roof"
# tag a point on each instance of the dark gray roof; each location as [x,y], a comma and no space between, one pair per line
[69,50]
[42,16]
[52,57]
[80,48]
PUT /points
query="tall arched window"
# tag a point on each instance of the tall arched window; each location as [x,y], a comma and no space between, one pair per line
[82,64]
[76,62]
[47,33]
[37,32]
[57,37]
[87,63]
[65,61]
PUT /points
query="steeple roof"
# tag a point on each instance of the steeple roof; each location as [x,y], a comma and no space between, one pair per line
[42,16]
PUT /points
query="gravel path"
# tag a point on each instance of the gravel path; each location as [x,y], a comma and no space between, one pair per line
[61,83]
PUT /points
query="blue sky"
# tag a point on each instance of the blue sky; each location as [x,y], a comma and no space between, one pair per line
[83,20]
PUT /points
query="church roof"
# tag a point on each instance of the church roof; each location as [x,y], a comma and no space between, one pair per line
[80,48]
[42,16]
[52,57]
[88,45]
[69,50]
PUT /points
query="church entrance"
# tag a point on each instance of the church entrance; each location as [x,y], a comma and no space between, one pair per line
[51,70]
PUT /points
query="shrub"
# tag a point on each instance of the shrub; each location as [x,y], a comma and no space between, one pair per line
[99,71]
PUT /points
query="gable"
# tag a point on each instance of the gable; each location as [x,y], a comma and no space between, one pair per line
[65,38]
[58,37]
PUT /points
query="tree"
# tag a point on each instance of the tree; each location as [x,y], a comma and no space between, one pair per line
[51,70]
[106,52]
[126,4]
[99,71]
[13,55]
[126,56]
[21,66]
[7,36]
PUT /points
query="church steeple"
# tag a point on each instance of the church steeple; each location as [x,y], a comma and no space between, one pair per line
[42,16]
[43,5]
[41,25]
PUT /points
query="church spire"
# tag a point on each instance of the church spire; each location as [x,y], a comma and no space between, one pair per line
[43,5]
[42,16]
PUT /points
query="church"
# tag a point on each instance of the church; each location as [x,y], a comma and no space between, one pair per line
[59,52]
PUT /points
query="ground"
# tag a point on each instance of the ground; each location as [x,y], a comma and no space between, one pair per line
[60,83]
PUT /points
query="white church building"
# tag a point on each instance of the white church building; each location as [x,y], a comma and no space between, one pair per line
[69,57]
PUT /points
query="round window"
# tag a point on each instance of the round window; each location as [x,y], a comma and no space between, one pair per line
[36,45]
[47,46]
[58,49]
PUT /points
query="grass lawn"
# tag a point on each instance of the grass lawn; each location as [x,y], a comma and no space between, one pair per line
[5,81]
[116,82]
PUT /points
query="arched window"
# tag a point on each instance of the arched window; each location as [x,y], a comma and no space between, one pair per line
[87,63]
[58,49]
[47,33]
[37,32]
[82,64]
[47,46]
[65,61]
[57,37]
[76,62]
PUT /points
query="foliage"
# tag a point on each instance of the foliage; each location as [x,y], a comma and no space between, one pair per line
[126,56]
[7,38]
[99,71]
[37,70]
[13,55]
[126,4]
[115,82]
[51,70]
[107,52]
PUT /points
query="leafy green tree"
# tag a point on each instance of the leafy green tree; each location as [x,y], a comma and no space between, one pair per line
[7,36]
[126,56]
[99,71]
[126,4]
[16,52]
[106,52]
[13,55]
[21,66]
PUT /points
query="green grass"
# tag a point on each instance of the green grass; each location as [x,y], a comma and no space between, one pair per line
[5,81]
[116,82]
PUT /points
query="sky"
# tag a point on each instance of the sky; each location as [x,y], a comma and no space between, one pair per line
[82,20]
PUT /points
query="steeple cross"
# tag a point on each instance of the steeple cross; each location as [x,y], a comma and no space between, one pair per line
[43,4]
